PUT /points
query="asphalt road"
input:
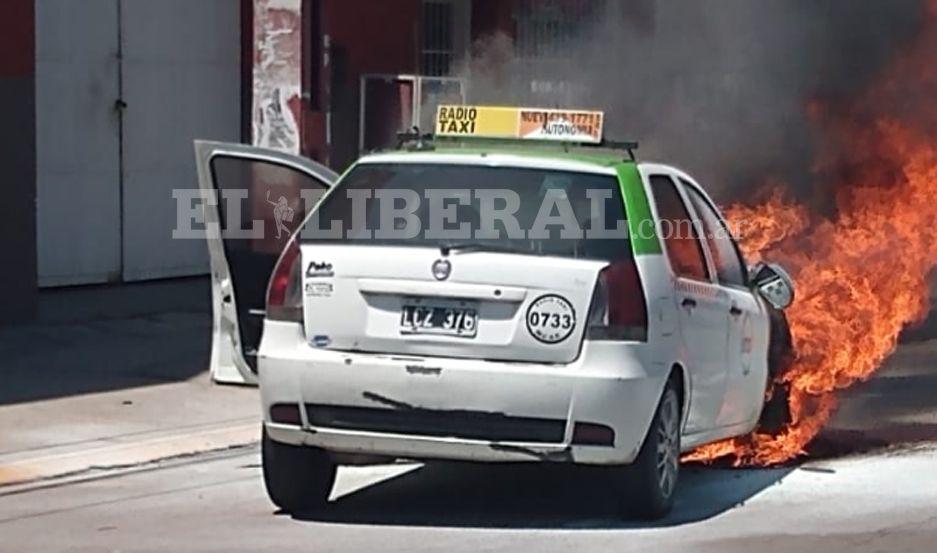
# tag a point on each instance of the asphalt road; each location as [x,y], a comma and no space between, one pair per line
[880,502]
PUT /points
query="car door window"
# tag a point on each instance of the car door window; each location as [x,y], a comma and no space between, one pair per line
[683,246]
[730,269]
[263,200]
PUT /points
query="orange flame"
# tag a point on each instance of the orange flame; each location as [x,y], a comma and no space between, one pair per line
[861,275]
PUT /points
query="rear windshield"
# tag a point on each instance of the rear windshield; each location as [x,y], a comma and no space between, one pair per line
[516,210]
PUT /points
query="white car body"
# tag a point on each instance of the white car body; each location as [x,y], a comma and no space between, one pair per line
[363,387]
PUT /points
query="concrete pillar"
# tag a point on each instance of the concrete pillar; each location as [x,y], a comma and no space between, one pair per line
[277,105]
[18,289]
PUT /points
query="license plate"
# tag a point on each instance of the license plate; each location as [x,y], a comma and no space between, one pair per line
[449,321]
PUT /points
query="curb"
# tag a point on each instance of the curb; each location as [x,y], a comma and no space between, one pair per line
[123,455]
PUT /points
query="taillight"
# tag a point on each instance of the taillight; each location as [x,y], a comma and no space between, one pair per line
[618,310]
[284,292]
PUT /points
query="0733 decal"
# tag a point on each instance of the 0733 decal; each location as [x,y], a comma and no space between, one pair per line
[551,319]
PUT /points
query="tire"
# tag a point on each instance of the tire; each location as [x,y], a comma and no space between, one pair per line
[297,478]
[650,482]
[775,414]
[780,344]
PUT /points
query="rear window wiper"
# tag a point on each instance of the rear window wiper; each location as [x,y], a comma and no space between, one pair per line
[468,247]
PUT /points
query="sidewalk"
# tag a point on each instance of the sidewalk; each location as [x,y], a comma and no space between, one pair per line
[115,376]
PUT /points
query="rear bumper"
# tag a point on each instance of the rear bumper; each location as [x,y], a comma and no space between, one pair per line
[458,409]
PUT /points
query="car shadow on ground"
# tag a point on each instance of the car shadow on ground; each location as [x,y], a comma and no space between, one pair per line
[532,496]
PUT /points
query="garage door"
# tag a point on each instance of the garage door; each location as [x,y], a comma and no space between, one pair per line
[77,142]
[181,81]
[122,89]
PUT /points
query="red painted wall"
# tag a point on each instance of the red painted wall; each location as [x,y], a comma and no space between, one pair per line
[17,38]
[379,37]
[491,17]
[364,37]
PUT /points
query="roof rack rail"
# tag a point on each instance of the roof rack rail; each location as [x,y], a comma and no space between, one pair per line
[413,139]
[628,145]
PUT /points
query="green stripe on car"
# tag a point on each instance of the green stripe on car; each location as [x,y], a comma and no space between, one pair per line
[641,227]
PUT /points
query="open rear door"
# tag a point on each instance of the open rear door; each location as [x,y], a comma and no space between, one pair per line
[257,198]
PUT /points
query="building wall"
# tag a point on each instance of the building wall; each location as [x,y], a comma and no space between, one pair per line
[342,39]
[345,39]
[18,292]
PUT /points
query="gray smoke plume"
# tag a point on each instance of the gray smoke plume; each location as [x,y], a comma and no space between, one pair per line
[717,87]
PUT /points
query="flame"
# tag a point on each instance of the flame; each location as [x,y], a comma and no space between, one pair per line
[860,274]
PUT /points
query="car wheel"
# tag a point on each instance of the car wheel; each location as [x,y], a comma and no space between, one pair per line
[775,414]
[297,478]
[651,480]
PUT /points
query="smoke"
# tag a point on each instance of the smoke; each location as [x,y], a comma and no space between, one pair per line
[719,88]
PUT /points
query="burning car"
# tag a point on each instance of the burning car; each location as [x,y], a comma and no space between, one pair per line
[456,299]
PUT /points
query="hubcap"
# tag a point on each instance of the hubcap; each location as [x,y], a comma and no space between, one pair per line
[668,444]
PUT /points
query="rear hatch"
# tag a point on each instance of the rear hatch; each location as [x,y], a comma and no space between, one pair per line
[387,299]
[486,262]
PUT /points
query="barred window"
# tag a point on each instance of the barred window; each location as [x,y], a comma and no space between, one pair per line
[547,29]
[438,50]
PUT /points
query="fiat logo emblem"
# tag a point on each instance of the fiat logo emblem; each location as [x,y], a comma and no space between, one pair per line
[441,269]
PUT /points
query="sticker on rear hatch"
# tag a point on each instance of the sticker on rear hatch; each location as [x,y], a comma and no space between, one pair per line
[319,269]
[551,319]
[319,289]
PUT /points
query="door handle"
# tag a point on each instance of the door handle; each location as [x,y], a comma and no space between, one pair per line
[688,303]
[735,311]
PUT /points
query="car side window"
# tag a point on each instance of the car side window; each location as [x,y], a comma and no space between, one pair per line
[676,228]
[730,269]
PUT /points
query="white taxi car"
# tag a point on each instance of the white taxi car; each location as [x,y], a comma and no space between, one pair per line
[485,302]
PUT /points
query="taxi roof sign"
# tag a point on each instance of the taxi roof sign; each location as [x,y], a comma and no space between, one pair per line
[555,125]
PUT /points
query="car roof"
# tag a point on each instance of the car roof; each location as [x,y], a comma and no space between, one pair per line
[606,163]
[550,154]
[598,161]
